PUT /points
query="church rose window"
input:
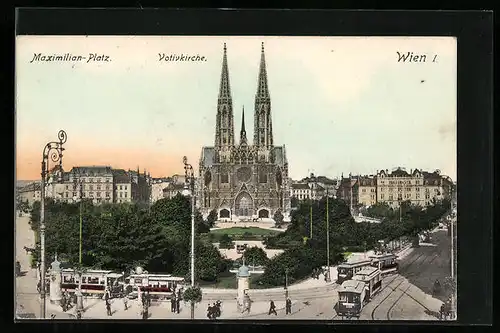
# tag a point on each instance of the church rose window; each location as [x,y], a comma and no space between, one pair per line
[244,174]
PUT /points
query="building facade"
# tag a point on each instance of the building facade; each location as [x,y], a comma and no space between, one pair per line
[157,187]
[367,190]
[348,190]
[244,180]
[417,186]
[101,184]
[29,193]
[301,191]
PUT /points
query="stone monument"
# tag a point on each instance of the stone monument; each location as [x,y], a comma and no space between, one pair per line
[55,282]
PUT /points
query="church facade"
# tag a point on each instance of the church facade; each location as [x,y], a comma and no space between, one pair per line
[244,180]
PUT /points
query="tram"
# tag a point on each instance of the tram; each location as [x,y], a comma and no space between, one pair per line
[386,262]
[94,282]
[159,286]
[347,270]
[356,293]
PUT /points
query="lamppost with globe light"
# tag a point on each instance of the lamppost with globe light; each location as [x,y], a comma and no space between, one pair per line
[55,150]
[189,190]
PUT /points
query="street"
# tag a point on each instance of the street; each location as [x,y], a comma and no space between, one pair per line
[404,296]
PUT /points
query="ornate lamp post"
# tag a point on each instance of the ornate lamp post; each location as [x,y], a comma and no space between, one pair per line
[55,150]
[189,185]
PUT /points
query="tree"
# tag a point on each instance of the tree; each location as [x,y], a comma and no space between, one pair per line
[255,256]
[209,262]
[201,225]
[380,210]
[211,218]
[278,218]
[225,242]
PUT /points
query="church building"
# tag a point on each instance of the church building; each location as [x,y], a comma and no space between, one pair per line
[246,180]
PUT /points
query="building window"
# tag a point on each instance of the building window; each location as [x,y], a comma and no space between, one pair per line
[382,196]
[391,197]
[262,177]
[74,194]
[91,187]
[121,195]
[224,178]
[98,187]
[125,194]
[107,187]
[91,180]
[363,190]
[67,187]
[98,194]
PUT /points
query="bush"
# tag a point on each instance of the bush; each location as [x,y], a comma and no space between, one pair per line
[192,295]
[225,242]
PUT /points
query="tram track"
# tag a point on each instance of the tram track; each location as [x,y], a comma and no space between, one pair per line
[406,267]
[404,292]
[409,296]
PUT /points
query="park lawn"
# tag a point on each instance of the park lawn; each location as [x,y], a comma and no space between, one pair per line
[228,280]
[242,230]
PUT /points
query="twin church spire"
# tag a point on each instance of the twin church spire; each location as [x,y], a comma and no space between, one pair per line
[224,132]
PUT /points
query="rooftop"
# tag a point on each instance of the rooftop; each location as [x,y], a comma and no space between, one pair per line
[352,286]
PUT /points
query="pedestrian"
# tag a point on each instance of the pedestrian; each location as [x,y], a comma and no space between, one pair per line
[177,304]
[172,303]
[288,306]
[108,307]
[125,302]
[145,311]
[209,311]
[78,314]
[272,308]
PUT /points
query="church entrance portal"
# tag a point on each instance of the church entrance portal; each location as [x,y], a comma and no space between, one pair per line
[264,213]
[244,205]
[224,214]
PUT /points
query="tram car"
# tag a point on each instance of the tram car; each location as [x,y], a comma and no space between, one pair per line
[94,282]
[347,270]
[387,262]
[159,286]
[354,294]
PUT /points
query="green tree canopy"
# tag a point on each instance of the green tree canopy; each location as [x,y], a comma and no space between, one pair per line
[255,256]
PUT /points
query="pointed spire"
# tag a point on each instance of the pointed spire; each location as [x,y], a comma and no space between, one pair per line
[224,128]
[224,88]
[243,133]
[262,88]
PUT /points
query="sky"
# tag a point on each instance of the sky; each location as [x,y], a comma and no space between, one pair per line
[339,104]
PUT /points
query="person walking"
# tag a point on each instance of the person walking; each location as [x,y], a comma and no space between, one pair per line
[108,307]
[145,311]
[125,302]
[288,306]
[177,304]
[172,303]
[272,308]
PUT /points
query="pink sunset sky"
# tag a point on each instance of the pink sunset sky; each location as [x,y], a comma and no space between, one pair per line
[339,104]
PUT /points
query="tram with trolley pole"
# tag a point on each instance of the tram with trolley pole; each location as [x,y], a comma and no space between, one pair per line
[354,294]
[94,283]
[348,269]
[385,262]
[160,287]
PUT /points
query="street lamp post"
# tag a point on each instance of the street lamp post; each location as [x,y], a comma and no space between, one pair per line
[55,150]
[79,301]
[189,175]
